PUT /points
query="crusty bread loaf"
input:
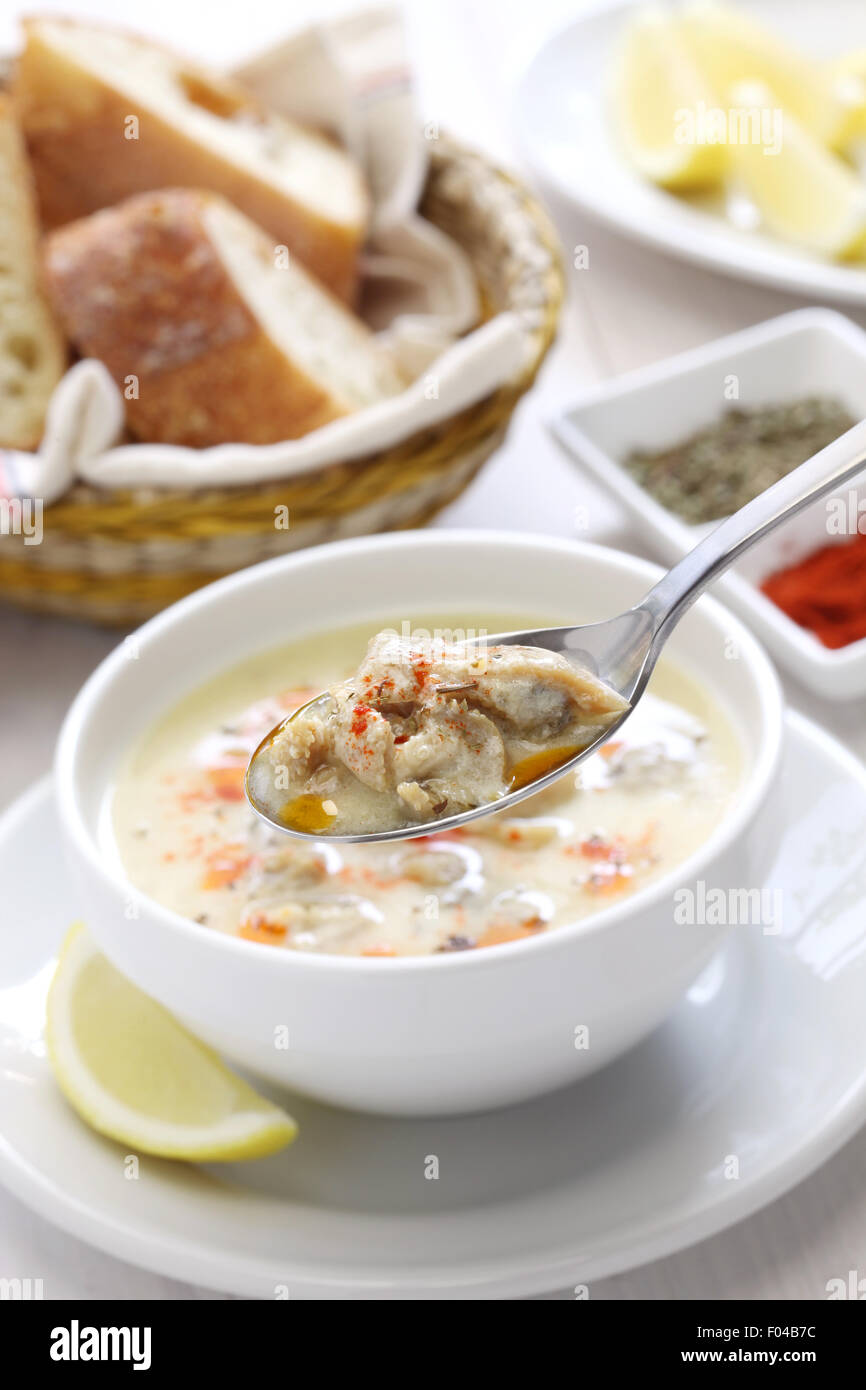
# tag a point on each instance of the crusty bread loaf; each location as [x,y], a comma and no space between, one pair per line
[32,353]
[107,114]
[223,341]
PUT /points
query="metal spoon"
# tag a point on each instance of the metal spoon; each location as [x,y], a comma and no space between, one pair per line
[622,651]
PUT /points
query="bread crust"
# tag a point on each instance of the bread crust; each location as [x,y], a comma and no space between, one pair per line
[75,124]
[143,288]
[32,350]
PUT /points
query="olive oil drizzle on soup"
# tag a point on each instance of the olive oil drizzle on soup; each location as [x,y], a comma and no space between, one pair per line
[188,838]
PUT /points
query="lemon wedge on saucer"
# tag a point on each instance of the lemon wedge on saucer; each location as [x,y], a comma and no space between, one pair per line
[729,47]
[804,193]
[657,91]
[133,1073]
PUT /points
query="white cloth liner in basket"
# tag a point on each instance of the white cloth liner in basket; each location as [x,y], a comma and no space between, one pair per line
[349,76]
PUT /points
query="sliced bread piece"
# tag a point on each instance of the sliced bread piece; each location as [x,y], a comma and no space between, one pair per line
[107,114]
[32,352]
[213,336]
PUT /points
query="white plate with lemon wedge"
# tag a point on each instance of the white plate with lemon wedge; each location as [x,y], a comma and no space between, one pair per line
[757,1077]
[733,136]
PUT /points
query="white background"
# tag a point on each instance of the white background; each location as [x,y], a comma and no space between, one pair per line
[630,307]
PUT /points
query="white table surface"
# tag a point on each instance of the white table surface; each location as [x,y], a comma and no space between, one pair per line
[629,307]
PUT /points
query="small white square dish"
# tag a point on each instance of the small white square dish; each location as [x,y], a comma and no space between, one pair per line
[811,352]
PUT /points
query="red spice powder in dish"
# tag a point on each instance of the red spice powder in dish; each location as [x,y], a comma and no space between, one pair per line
[825,592]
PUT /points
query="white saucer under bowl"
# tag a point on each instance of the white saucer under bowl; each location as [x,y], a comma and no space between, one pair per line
[764,1063]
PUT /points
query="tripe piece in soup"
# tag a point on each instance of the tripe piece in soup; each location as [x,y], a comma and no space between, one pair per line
[425,729]
[634,810]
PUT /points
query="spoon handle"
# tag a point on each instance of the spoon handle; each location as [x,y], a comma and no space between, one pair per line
[822,474]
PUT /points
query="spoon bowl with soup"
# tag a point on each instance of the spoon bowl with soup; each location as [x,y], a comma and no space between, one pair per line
[430,734]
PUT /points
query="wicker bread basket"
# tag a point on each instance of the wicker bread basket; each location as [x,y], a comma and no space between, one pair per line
[117,557]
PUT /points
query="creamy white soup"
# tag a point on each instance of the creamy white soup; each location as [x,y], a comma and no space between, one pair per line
[188,838]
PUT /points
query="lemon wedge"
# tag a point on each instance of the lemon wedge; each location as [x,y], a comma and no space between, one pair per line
[729,48]
[804,193]
[133,1073]
[850,78]
[851,67]
[656,88]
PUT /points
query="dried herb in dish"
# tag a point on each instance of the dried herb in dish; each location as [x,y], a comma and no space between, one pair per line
[715,472]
